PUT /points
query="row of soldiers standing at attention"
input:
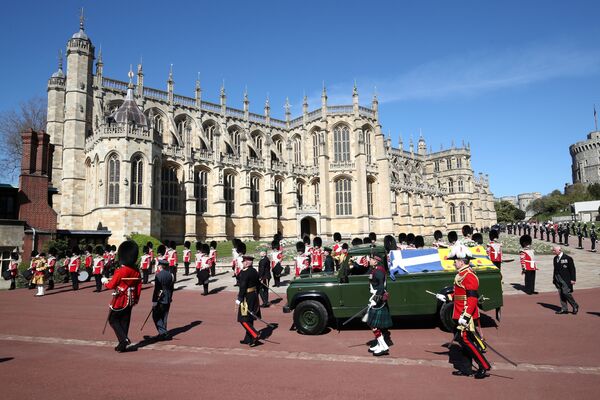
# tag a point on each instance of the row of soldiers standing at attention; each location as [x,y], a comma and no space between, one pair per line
[549,231]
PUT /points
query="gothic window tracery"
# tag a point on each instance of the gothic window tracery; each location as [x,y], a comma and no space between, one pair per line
[255,195]
[343,196]
[279,197]
[169,199]
[113,178]
[137,180]
[229,193]
[201,191]
[341,144]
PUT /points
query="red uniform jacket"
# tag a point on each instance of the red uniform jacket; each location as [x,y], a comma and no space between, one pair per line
[125,292]
[98,266]
[336,250]
[198,260]
[494,250]
[172,258]
[145,261]
[88,261]
[13,267]
[527,257]
[465,295]
[213,254]
[276,257]
[51,264]
[316,259]
[187,255]
[74,264]
[301,262]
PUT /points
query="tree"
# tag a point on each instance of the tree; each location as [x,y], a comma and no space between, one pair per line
[507,212]
[594,191]
[30,114]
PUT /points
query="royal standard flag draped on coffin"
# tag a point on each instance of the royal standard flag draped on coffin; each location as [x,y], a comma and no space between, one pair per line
[410,261]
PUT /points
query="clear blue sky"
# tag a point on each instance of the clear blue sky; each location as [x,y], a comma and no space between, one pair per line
[516,79]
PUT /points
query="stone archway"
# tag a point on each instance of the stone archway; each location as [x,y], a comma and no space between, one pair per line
[308,226]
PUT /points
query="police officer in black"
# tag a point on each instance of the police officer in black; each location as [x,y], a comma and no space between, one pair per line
[247,301]
[264,276]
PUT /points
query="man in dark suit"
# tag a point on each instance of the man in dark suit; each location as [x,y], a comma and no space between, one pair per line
[564,279]
[161,300]
[264,276]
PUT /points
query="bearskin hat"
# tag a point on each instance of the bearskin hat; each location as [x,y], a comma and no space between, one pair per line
[241,248]
[337,237]
[317,241]
[389,243]
[113,247]
[344,246]
[198,246]
[14,256]
[161,250]
[172,244]
[419,242]
[525,240]
[99,250]
[187,244]
[494,234]
[477,238]
[467,230]
[205,248]
[437,235]
[300,247]
[76,250]
[34,253]
[452,236]
[128,253]
[144,249]
[410,238]
[306,239]
[42,254]
[89,248]
[275,244]
[235,242]
[357,241]
[52,251]
[366,240]
[213,244]
[372,236]
[150,245]
[402,238]
[68,253]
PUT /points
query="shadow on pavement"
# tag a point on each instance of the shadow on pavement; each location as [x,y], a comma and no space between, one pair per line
[148,340]
[5,359]
[217,290]
[487,321]
[552,307]
[597,314]
[518,286]
[70,289]
[183,280]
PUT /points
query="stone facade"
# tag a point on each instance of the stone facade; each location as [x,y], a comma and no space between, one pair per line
[192,169]
[585,156]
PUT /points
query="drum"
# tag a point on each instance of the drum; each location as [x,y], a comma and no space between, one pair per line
[62,270]
[83,275]
[27,274]
[6,275]
[277,270]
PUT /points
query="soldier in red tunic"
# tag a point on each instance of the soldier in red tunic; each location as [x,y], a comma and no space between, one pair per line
[187,256]
[74,265]
[494,249]
[88,261]
[466,312]
[528,264]
[51,266]
[127,286]
[145,264]
[213,255]
[98,268]
[316,255]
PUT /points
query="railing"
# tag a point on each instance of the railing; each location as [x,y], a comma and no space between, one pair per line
[173,151]
[278,166]
[204,155]
[278,123]
[313,115]
[296,122]
[257,118]
[120,131]
[342,165]
[423,188]
[311,208]
[184,100]
[156,94]
[255,163]
[230,159]
[340,109]
[114,84]
[367,112]
[233,112]
[211,107]
[305,169]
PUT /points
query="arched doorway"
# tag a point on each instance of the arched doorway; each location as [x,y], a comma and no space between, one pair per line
[308,226]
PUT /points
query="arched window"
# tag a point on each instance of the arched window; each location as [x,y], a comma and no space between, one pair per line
[315,145]
[316,191]
[201,191]
[258,143]
[369,197]
[297,151]
[279,197]
[461,186]
[448,163]
[450,186]
[169,190]
[229,194]
[367,134]
[137,180]
[209,131]
[341,144]
[343,197]
[436,166]
[300,193]
[452,212]
[459,162]
[113,178]
[463,212]
[235,140]
[279,146]
[255,195]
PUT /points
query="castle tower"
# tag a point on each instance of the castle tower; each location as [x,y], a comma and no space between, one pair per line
[77,125]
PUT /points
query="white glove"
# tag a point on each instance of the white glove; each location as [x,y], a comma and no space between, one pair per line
[104,280]
[372,303]
[373,291]
[154,303]
[237,302]
[441,297]
[462,321]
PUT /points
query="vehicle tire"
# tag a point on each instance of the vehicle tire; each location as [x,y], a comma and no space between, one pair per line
[446,310]
[310,317]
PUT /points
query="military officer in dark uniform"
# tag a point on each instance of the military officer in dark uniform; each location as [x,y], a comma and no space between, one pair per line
[560,234]
[579,236]
[563,279]
[247,301]
[161,302]
[264,276]
[585,233]
[542,231]
[328,263]
[535,229]
[566,235]
[593,237]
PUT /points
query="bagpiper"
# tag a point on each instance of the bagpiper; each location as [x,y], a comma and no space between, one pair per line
[378,314]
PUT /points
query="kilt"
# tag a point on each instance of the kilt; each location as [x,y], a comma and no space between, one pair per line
[380,317]
[38,279]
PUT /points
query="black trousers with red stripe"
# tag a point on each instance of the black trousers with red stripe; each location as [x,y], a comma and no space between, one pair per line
[251,333]
[471,351]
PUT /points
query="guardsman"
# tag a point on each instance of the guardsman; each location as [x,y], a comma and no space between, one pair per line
[316,256]
[452,238]
[378,314]
[438,243]
[205,265]
[161,302]
[307,245]
[65,265]
[593,238]
[126,284]
[247,301]
[88,260]
[98,268]
[39,274]
[202,274]
[236,268]
[528,264]
[51,267]
[264,277]
[301,261]
[494,249]
[276,258]
[187,257]
[535,229]
[172,254]
[579,236]
[373,238]
[13,267]
[466,313]
[74,266]
[145,264]
[213,255]
[336,249]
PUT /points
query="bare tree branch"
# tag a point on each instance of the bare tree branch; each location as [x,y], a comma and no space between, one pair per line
[30,114]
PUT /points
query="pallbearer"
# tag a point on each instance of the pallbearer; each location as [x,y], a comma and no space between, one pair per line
[213,256]
[438,241]
[494,249]
[204,272]
[98,268]
[172,254]
[187,256]
[127,287]
[247,301]
[528,264]
[302,260]
[65,265]
[145,264]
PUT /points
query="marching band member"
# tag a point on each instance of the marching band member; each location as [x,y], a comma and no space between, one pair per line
[127,287]
[378,314]
[51,267]
[247,302]
[213,256]
[466,313]
[13,267]
[172,257]
[198,261]
[276,258]
[145,263]
[336,249]
[74,265]
[264,276]
[32,263]
[494,249]
[316,259]
[528,264]
[88,261]
[39,268]
[187,256]
[204,272]
[301,261]
[65,265]
[106,257]
[98,268]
